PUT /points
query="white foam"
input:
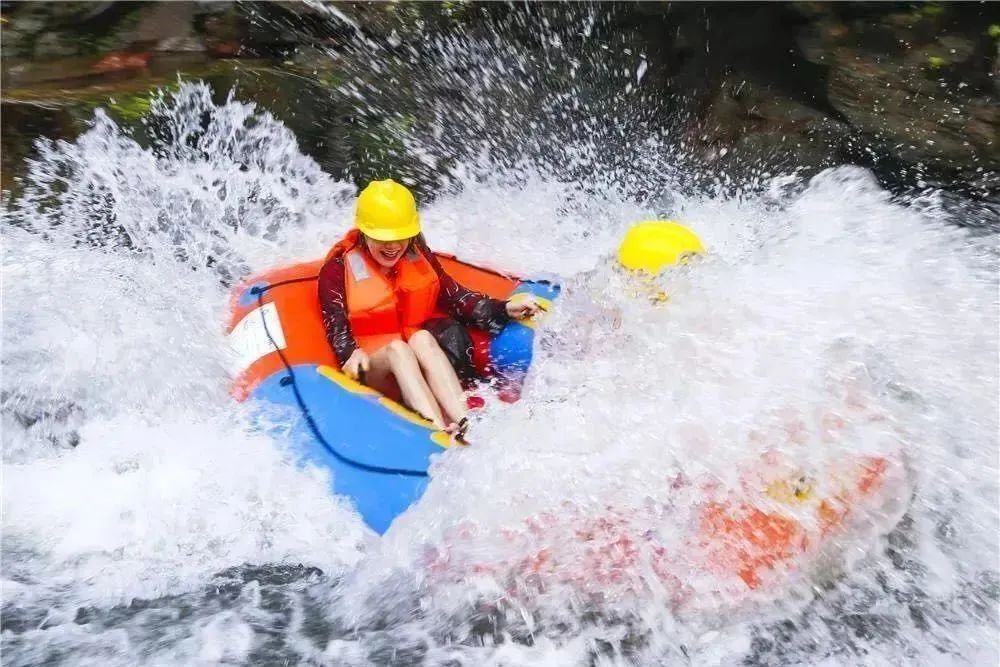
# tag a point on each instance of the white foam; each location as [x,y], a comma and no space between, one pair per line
[813,295]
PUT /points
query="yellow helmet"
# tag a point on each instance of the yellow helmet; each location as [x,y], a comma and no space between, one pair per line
[653,245]
[387,211]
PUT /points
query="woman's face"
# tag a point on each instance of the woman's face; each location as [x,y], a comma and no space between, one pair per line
[386,253]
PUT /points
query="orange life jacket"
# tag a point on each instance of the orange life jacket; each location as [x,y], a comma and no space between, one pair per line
[382,308]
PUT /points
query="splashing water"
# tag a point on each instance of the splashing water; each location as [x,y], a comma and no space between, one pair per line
[147,520]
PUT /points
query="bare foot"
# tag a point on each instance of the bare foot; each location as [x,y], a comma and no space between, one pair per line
[457,431]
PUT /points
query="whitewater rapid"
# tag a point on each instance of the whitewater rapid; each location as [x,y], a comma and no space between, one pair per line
[129,474]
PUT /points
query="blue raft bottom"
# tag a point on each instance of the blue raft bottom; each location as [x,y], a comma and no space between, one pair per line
[378,452]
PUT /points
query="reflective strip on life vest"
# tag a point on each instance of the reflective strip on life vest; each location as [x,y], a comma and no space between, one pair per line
[357,265]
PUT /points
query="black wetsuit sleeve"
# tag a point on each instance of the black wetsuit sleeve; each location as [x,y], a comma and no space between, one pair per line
[333,303]
[468,307]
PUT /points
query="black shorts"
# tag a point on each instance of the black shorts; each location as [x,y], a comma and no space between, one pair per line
[454,339]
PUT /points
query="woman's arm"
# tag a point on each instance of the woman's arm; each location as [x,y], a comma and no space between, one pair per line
[333,303]
[468,307]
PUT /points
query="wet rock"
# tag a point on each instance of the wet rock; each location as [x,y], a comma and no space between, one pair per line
[995,70]
[47,30]
[29,21]
[956,49]
[771,86]
[181,44]
[908,90]
[69,13]
[222,28]
[167,26]
[276,29]
[19,33]
[815,39]
[58,99]
[50,45]
[66,70]
[919,119]
[751,126]
[913,85]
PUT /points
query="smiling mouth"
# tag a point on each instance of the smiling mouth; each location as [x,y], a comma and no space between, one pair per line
[391,254]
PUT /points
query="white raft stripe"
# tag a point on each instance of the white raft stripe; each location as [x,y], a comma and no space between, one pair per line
[249,338]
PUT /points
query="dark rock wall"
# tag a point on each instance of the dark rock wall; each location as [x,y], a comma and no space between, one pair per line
[909,89]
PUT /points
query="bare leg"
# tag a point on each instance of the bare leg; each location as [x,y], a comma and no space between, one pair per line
[398,361]
[440,375]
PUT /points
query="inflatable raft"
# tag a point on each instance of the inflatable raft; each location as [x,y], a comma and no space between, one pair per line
[377,450]
[785,523]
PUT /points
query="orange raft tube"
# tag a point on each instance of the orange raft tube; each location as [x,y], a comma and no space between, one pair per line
[377,450]
[781,524]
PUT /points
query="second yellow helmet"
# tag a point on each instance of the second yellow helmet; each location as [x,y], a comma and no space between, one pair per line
[387,211]
[653,245]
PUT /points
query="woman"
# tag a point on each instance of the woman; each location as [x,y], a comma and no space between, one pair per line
[382,293]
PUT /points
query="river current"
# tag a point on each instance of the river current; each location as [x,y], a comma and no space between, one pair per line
[148,520]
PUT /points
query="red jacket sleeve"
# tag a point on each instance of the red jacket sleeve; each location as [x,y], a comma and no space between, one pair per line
[468,307]
[333,304]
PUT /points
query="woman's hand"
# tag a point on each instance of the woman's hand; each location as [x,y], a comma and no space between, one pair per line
[357,364]
[523,308]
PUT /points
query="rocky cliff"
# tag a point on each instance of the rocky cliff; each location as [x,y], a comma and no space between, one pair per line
[909,89]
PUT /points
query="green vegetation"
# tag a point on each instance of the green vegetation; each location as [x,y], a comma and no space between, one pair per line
[130,108]
[935,62]
[930,9]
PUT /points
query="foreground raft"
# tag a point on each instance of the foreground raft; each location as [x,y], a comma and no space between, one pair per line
[377,450]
